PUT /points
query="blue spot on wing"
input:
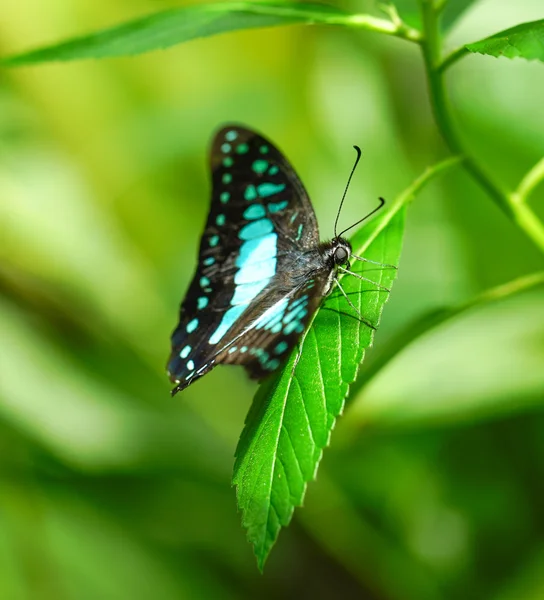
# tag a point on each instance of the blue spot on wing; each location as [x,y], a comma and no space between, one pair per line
[255,211]
[256,229]
[275,207]
[269,189]
[256,264]
[250,192]
[261,271]
[281,347]
[257,249]
[192,325]
[228,320]
[272,364]
[260,166]
[244,293]
[273,315]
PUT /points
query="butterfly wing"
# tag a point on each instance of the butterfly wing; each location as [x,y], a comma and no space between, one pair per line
[257,252]
[273,333]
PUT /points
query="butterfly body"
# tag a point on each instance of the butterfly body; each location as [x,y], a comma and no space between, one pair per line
[262,270]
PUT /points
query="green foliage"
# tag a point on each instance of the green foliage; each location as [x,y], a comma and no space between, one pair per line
[295,411]
[167,28]
[524,41]
[102,479]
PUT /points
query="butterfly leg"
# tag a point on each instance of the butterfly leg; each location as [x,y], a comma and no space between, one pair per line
[363,320]
[381,287]
[373,262]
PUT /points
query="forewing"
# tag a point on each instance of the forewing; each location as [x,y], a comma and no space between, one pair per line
[260,218]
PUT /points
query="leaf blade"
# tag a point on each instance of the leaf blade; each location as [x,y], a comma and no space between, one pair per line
[294,412]
[167,28]
[524,41]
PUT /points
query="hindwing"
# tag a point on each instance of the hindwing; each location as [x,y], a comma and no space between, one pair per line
[275,332]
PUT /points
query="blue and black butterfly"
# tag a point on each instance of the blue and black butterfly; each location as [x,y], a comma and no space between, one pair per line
[262,270]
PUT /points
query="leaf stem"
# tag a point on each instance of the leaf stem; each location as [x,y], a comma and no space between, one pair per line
[390,27]
[452,58]
[431,46]
[397,29]
[529,182]
[434,319]
[394,27]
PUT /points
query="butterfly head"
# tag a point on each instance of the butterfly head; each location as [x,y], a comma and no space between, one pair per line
[337,252]
[341,251]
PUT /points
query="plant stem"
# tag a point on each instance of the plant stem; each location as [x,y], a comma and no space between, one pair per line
[431,46]
[370,23]
[529,182]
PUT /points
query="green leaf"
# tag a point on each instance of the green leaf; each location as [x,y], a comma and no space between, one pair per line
[454,10]
[525,40]
[410,12]
[294,411]
[167,28]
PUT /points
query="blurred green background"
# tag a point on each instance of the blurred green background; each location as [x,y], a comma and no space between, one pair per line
[109,489]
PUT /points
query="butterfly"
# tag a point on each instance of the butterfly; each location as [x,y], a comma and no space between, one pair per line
[262,270]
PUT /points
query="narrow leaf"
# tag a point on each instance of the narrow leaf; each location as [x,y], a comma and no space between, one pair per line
[525,40]
[167,28]
[295,410]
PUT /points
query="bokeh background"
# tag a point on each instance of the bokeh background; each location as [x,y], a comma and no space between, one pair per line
[109,489]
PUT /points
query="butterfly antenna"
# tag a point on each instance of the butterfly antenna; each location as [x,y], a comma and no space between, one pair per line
[358,150]
[382,202]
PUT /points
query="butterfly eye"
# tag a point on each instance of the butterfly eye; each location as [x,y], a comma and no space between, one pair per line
[340,255]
